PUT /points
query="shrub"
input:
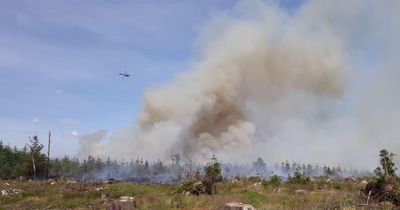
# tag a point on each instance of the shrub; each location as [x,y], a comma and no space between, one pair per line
[385,187]
[254,179]
[184,186]
[272,181]
[212,175]
[298,178]
[338,186]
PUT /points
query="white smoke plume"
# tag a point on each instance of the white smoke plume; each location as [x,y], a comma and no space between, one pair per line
[276,85]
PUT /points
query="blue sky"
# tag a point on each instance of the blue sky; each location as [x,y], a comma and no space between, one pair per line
[59,61]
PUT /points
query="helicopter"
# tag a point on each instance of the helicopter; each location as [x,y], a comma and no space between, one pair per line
[124,75]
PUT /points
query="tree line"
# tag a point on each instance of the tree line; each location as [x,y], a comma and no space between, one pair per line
[26,162]
[31,162]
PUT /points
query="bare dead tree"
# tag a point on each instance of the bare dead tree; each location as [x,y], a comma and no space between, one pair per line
[48,156]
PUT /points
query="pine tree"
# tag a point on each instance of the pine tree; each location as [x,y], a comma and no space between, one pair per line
[259,166]
[35,160]
[212,174]
[387,164]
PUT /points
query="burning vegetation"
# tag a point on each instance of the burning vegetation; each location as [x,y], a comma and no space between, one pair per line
[31,164]
[100,179]
[209,184]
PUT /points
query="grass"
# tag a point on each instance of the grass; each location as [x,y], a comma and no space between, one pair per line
[319,194]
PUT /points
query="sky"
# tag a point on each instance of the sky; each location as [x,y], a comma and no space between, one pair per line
[59,62]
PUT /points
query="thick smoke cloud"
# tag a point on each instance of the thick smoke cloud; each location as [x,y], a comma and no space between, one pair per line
[91,143]
[276,85]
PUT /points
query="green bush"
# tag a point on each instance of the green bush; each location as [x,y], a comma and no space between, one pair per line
[272,181]
[185,186]
[338,186]
[212,175]
[254,179]
[298,178]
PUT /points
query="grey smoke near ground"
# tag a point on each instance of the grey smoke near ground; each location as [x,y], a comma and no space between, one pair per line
[310,86]
[91,143]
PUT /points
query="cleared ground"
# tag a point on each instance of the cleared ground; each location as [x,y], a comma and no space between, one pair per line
[68,194]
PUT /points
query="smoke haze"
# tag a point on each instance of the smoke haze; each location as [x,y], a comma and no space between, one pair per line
[315,86]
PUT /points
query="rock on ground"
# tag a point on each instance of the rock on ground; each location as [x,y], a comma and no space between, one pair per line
[10,191]
[197,188]
[300,191]
[238,206]
[124,203]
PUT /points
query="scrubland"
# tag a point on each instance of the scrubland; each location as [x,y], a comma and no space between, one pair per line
[321,193]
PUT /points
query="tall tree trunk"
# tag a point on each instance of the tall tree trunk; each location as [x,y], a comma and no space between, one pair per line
[48,157]
[34,167]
